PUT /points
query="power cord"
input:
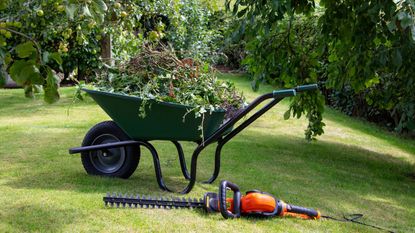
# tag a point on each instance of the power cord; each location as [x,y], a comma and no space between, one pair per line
[353,218]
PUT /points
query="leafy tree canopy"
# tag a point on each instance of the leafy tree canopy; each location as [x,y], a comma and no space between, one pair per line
[368,45]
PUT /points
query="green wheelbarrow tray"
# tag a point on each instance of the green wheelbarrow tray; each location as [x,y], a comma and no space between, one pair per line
[162,120]
[113,148]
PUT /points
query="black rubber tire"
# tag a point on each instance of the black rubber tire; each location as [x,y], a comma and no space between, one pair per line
[126,158]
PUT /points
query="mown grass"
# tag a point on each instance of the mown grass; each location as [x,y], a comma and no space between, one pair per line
[355,167]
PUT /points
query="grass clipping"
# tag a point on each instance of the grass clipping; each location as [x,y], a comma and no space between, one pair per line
[158,74]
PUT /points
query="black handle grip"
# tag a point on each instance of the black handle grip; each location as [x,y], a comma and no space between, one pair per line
[309,87]
[283,93]
[302,210]
[236,212]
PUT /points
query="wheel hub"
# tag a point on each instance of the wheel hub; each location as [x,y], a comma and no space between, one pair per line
[110,160]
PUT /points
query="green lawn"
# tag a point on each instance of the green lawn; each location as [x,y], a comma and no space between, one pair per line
[354,167]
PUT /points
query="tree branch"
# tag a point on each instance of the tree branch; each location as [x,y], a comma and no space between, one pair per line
[27,37]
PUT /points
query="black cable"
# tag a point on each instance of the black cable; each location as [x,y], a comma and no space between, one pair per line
[353,218]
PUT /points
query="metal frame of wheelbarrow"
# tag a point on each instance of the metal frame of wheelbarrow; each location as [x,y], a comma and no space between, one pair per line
[221,136]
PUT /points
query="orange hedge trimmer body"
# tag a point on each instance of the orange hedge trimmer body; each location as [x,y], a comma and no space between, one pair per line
[254,203]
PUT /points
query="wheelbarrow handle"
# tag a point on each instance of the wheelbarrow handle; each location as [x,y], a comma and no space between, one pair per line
[309,87]
[293,92]
[222,139]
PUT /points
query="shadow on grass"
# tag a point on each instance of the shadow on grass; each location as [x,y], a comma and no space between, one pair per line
[52,168]
[332,162]
[142,182]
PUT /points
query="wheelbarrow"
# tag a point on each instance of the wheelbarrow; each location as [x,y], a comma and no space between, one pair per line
[112,148]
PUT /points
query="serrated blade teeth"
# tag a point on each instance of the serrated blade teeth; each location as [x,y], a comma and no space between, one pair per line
[146,201]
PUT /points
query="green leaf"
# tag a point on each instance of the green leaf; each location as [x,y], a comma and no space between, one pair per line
[242,12]
[411,125]
[36,78]
[78,92]
[413,32]
[406,21]
[86,11]
[7,59]
[28,91]
[373,81]
[333,57]
[3,76]
[401,15]
[3,4]
[71,10]
[397,58]
[56,57]
[391,26]
[21,71]
[275,4]
[51,86]
[235,8]
[45,57]
[287,114]
[228,5]
[101,5]
[255,85]
[37,89]
[25,50]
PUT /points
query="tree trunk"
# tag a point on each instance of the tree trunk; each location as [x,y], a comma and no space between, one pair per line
[106,49]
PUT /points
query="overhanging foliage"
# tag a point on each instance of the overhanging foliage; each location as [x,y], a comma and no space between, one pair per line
[365,44]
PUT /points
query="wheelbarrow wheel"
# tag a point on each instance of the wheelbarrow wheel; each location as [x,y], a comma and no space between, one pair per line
[117,162]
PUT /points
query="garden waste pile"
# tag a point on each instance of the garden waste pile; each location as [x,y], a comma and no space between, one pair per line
[158,74]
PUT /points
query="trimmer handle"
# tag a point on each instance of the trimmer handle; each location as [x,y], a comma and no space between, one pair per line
[236,212]
[299,211]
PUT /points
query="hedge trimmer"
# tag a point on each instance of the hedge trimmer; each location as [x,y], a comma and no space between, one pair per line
[253,203]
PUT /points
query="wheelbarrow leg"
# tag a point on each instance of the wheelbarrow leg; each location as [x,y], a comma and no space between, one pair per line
[182,160]
[193,167]
[217,164]
[157,168]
